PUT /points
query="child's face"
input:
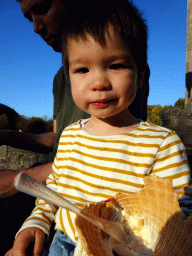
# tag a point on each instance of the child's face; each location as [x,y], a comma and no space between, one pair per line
[104,79]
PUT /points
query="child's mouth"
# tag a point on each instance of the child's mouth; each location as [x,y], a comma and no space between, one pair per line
[102,103]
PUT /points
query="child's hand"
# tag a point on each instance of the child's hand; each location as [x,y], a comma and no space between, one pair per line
[24,238]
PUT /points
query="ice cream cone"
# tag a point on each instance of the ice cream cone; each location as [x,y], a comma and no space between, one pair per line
[152,218]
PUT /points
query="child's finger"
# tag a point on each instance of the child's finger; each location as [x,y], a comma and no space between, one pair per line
[39,241]
[9,253]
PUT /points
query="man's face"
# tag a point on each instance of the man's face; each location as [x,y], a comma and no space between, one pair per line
[47,16]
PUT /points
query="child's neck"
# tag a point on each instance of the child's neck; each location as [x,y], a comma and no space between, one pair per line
[111,126]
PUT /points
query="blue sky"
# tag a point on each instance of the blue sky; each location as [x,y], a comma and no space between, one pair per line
[28,64]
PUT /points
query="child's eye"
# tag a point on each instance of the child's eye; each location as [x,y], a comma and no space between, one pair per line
[82,70]
[118,66]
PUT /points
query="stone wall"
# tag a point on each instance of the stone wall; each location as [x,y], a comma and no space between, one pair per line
[14,158]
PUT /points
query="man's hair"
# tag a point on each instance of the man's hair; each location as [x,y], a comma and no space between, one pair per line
[88,17]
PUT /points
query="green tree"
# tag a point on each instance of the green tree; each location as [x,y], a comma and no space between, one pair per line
[4,122]
[9,117]
[180,103]
[154,114]
[22,124]
[49,125]
[157,110]
[36,125]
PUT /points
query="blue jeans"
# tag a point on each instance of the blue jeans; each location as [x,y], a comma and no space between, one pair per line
[60,246]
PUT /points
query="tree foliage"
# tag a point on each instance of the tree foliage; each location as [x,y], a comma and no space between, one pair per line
[8,118]
[4,122]
[154,113]
[49,125]
[180,103]
[11,120]
[36,125]
[23,123]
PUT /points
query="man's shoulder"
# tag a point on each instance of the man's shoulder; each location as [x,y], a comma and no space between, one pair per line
[60,74]
[59,80]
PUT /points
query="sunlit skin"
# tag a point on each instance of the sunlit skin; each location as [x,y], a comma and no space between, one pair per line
[104,81]
[46,16]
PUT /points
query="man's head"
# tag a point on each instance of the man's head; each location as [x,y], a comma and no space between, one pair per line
[47,18]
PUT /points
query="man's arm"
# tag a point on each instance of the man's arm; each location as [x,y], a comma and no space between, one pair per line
[7,177]
[42,143]
[40,173]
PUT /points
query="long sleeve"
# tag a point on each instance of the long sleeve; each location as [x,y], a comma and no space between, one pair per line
[171,163]
[43,214]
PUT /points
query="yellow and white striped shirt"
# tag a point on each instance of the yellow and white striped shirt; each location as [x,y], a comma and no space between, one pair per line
[91,168]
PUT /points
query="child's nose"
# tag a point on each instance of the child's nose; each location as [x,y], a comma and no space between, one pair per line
[101,83]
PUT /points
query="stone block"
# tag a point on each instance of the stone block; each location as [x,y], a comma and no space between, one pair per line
[3,163]
[14,158]
[3,151]
[180,121]
[28,160]
[13,162]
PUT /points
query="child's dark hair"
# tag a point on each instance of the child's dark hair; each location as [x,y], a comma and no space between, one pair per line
[93,17]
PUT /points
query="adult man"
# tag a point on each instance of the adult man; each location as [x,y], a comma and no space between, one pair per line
[47,17]
[15,207]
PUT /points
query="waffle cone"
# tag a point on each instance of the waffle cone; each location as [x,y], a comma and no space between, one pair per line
[94,241]
[156,207]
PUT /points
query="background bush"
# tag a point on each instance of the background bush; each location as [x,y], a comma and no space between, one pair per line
[8,118]
[180,103]
[11,120]
[36,125]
